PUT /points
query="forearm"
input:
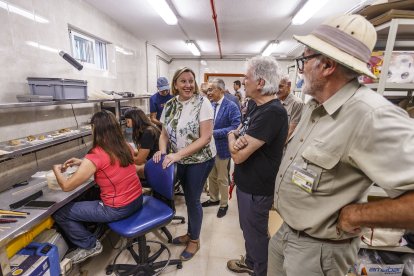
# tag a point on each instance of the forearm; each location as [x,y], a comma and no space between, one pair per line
[155,121]
[232,140]
[163,142]
[387,213]
[194,147]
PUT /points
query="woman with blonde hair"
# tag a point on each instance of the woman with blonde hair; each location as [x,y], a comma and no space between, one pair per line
[187,126]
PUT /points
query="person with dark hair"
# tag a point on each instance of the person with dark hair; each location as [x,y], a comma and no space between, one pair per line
[237,90]
[111,163]
[187,125]
[145,136]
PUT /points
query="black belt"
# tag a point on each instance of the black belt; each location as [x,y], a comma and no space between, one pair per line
[303,234]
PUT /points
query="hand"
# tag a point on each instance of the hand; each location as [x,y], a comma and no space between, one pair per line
[240,143]
[57,169]
[345,221]
[72,162]
[157,156]
[170,159]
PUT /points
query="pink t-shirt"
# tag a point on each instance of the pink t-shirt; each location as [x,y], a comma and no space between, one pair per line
[119,185]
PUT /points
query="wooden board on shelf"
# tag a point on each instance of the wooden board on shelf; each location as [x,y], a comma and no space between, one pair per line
[376,10]
[385,17]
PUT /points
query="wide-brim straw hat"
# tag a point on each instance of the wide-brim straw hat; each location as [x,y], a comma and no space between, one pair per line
[348,39]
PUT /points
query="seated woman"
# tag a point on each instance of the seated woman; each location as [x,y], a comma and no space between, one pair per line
[145,136]
[111,162]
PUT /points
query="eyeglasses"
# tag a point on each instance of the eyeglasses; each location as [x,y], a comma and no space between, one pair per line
[300,62]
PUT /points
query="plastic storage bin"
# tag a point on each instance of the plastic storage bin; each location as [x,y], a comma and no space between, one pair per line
[44,249]
[59,89]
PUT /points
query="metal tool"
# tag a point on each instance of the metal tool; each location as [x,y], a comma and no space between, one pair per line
[26,200]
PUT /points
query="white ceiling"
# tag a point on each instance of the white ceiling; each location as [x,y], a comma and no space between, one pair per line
[245,26]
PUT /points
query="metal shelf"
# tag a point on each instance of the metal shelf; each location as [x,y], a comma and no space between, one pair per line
[402,249]
[27,148]
[37,104]
[393,86]
[401,28]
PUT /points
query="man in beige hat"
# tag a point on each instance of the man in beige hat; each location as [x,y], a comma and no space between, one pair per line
[348,137]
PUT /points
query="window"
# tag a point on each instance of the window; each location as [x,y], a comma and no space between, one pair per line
[88,50]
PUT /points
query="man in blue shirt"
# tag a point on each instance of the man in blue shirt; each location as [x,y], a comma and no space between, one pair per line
[158,100]
[226,118]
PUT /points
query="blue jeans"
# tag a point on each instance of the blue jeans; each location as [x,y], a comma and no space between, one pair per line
[72,216]
[254,222]
[192,177]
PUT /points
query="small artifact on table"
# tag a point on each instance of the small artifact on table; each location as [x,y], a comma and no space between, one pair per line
[14,142]
[41,137]
[31,138]
[63,130]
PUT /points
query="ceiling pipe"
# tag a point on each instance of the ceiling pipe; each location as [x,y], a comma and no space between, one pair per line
[214,15]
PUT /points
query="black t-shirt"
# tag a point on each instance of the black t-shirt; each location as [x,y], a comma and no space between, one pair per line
[268,123]
[149,140]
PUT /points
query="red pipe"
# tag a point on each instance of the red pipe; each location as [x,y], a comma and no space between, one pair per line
[213,10]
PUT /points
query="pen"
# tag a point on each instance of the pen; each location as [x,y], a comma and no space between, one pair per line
[2,221]
[11,216]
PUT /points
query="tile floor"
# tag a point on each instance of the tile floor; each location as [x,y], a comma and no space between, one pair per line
[221,240]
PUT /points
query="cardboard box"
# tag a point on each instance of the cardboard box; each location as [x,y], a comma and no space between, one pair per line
[381,270]
[30,265]
[401,68]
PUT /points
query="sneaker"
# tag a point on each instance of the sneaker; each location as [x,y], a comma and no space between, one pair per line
[209,203]
[79,255]
[239,266]
[222,211]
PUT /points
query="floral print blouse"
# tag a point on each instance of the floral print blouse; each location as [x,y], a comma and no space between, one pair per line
[181,120]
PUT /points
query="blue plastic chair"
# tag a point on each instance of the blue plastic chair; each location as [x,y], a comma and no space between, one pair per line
[156,212]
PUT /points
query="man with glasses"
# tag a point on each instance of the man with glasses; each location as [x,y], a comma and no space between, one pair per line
[226,118]
[256,148]
[348,137]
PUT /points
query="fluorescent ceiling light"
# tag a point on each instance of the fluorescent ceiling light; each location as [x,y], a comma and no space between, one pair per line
[193,47]
[42,47]
[307,11]
[164,10]
[123,51]
[22,12]
[359,6]
[270,48]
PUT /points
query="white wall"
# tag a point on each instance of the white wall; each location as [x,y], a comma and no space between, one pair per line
[217,66]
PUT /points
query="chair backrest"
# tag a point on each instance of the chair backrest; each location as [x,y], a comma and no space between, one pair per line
[160,180]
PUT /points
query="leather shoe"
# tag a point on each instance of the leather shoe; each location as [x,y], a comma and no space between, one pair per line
[209,203]
[222,211]
[186,255]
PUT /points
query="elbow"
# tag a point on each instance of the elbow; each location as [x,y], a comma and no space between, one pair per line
[66,189]
[207,140]
[237,160]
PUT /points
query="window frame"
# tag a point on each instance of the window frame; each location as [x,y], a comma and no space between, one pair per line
[99,49]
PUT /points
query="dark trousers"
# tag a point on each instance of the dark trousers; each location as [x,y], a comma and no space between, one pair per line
[192,177]
[71,217]
[254,222]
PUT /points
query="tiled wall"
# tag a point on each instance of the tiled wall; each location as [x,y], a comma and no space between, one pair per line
[19,60]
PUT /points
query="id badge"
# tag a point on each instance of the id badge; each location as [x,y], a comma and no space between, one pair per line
[304,177]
